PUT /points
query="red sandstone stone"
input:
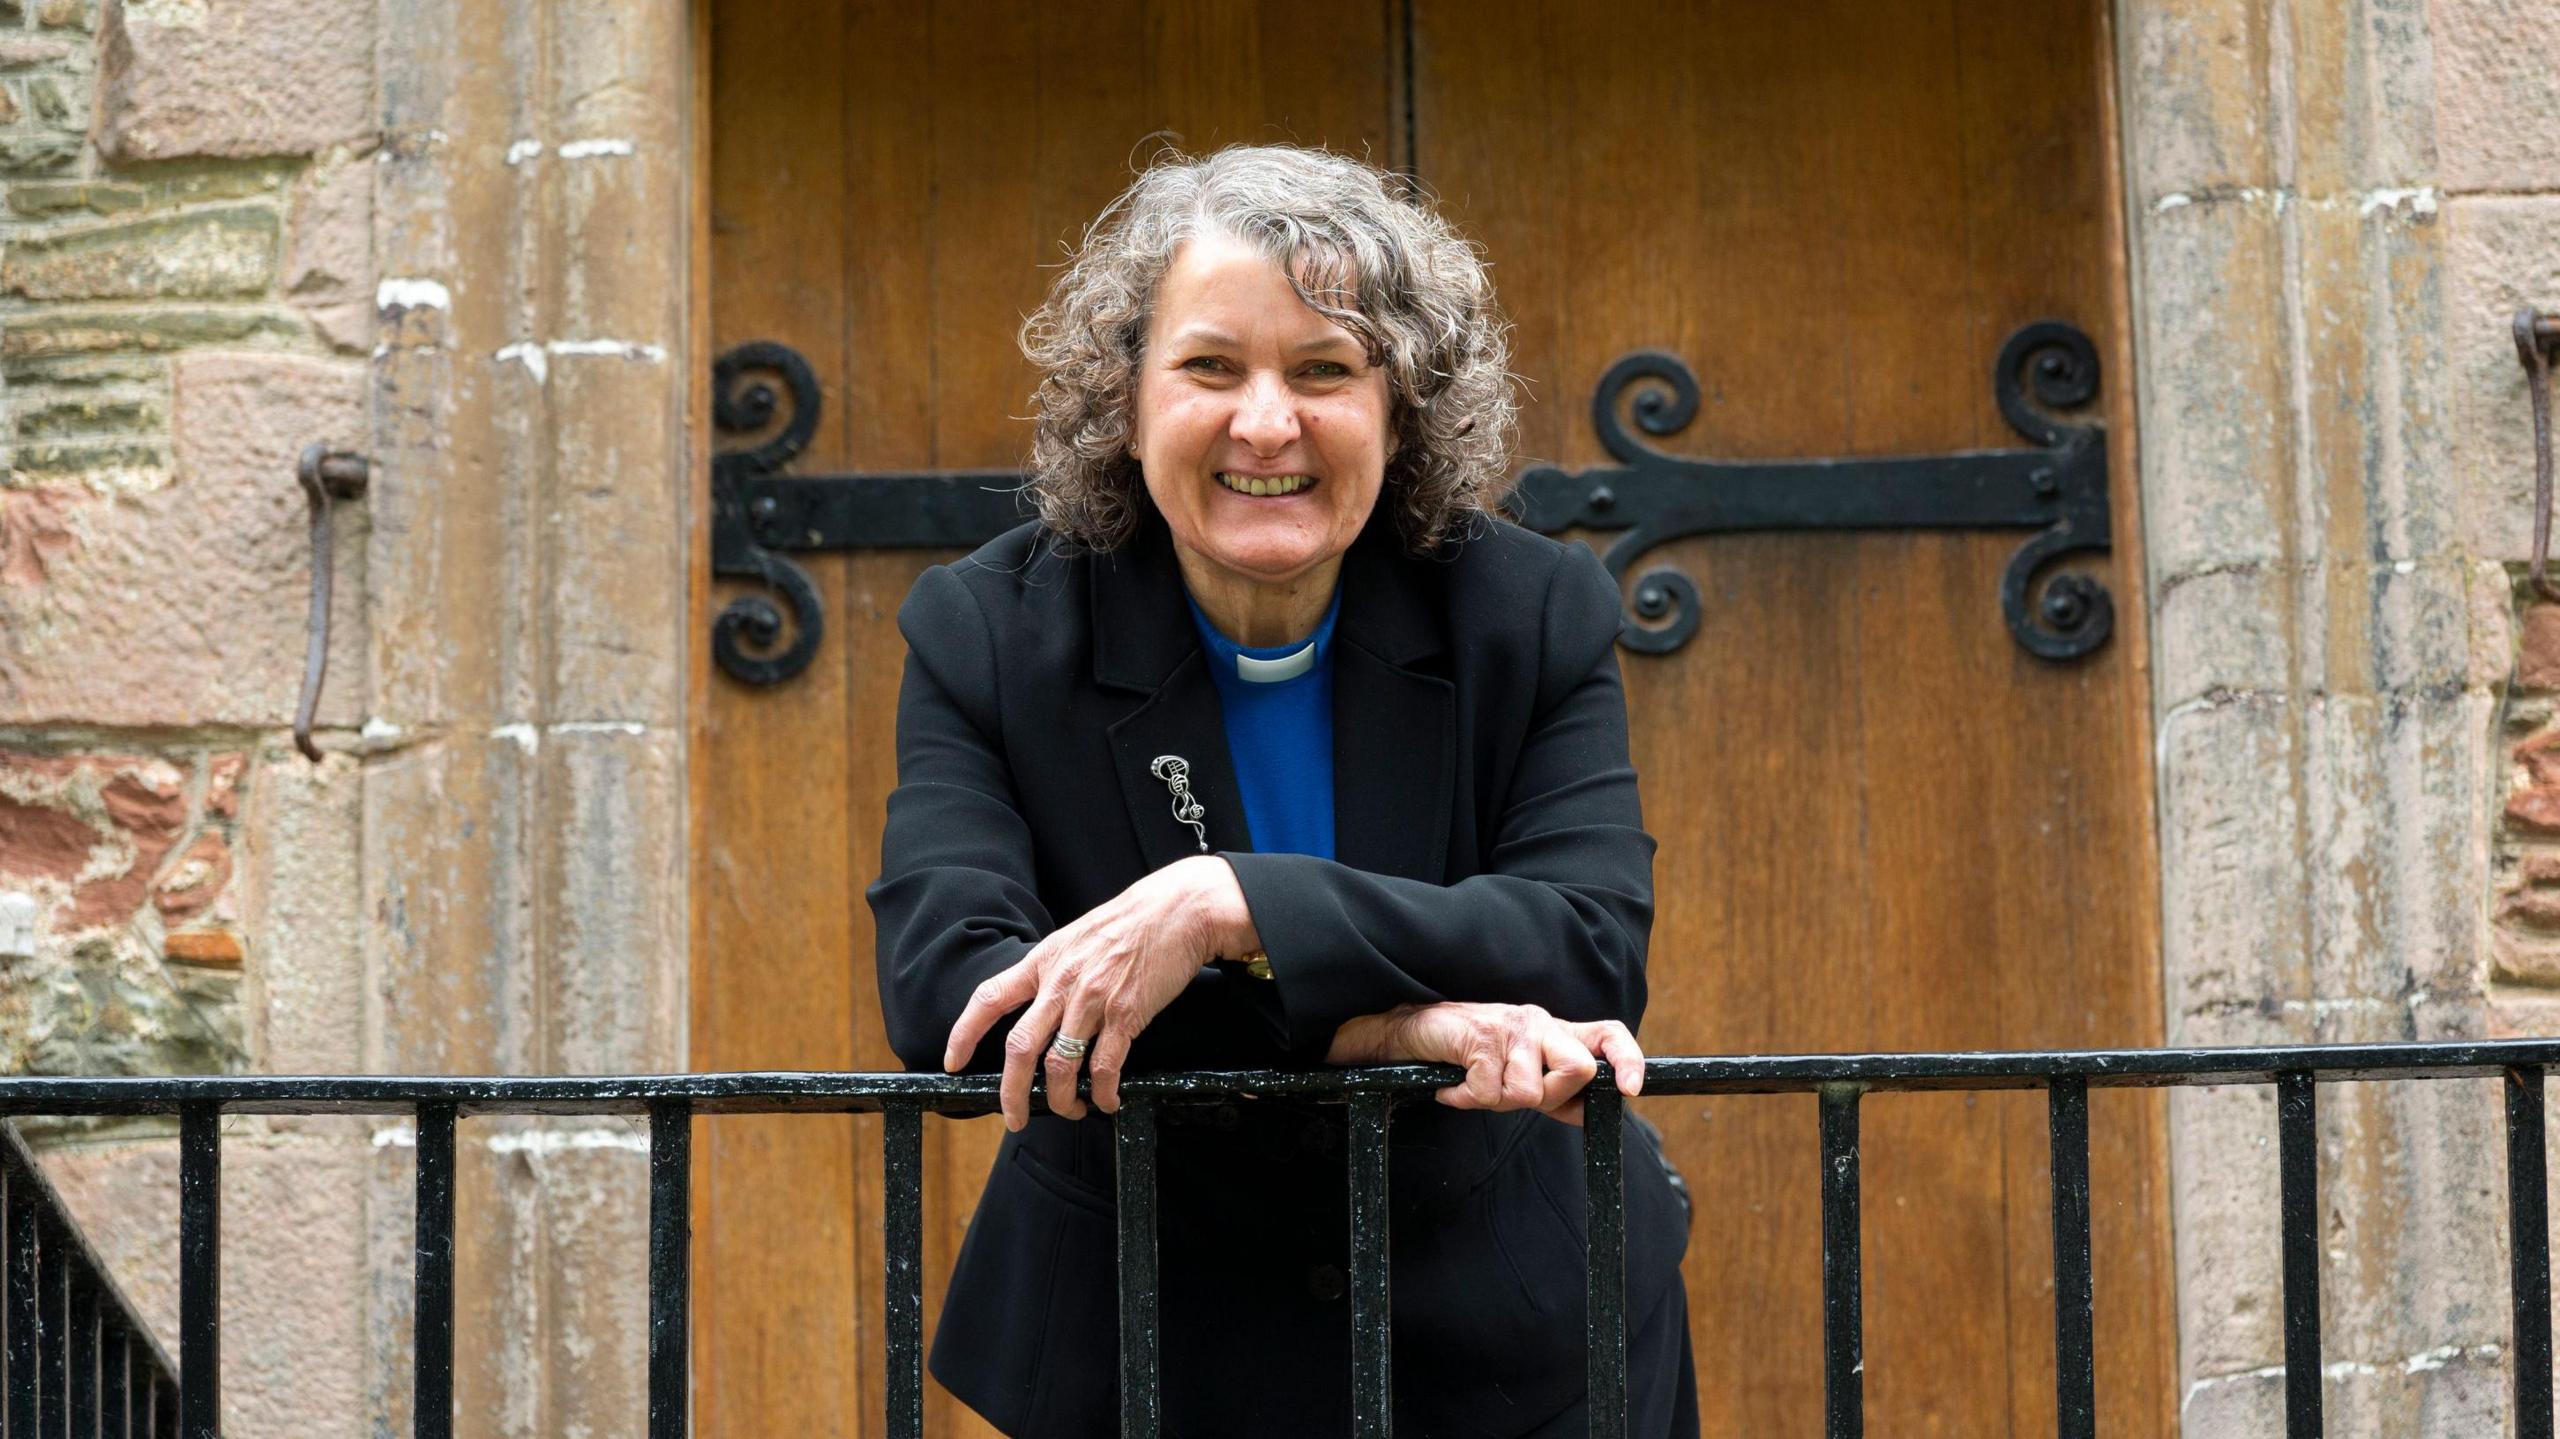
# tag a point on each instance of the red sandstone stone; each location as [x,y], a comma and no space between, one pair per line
[197,881]
[41,843]
[222,789]
[2535,809]
[215,948]
[2538,657]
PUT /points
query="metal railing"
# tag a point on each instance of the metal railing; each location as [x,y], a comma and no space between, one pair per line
[80,1359]
[671,1102]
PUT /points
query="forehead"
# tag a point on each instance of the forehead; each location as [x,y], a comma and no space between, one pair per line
[1219,283]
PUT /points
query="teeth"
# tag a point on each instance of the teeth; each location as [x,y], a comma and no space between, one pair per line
[1266,485]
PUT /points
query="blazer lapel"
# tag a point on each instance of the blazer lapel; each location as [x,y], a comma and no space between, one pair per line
[1394,725]
[1143,643]
[1181,719]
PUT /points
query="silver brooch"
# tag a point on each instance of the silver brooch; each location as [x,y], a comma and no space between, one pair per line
[1175,771]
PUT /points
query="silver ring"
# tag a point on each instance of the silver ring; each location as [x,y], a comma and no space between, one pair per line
[1070,1048]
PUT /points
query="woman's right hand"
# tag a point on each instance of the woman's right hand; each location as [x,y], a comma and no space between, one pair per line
[1517,1056]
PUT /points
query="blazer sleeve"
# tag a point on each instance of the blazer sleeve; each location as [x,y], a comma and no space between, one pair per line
[958,896]
[1560,917]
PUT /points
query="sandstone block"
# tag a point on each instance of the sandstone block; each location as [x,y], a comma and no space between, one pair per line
[2221,630]
[201,587]
[305,903]
[210,254]
[2233,923]
[88,832]
[616,869]
[255,77]
[2503,255]
[2538,662]
[2499,123]
[38,152]
[2216,459]
[329,259]
[34,341]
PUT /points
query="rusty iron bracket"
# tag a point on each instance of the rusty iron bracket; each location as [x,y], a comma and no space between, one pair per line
[2537,336]
[326,475]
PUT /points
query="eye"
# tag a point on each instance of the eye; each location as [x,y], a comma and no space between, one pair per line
[1212,362]
[1329,369]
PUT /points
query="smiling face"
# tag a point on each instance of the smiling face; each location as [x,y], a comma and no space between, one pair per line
[1262,430]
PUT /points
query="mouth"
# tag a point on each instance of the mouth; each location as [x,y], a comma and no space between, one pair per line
[1266,486]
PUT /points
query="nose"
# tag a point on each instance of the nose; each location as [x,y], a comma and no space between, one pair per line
[1266,416]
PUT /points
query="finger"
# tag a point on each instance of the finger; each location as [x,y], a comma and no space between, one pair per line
[1482,1088]
[1022,1046]
[1617,1045]
[1521,1073]
[1083,1015]
[1110,1051]
[1006,990]
[1569,1067]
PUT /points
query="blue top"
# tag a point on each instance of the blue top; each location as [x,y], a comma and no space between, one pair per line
[1278,704]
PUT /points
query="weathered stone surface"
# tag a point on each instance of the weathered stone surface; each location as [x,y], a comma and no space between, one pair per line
[329,259]
[46,98]
[34,532]
[2217,463]
[88,832]
[2221,630]
[109,1006]
[2222,1169]
[222,253]
[2504,254]
[201,586]
[200,875]
[614,986]
[2499,126]
[65,14]
[305,901]
[38,152]
[251,77]
[33,339]
[2233,924]
[293,1216]
[10,108]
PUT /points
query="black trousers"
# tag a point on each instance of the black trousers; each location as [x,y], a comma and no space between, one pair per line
[1662,1380]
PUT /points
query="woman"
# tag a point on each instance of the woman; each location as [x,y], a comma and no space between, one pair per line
[1269,744]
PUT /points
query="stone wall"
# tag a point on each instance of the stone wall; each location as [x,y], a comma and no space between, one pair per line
[2336,207]
[185,302]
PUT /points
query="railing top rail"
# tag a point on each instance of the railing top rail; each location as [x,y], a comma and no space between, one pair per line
[779,1092]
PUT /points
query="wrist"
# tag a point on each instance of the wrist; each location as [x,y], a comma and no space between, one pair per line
[1218,902]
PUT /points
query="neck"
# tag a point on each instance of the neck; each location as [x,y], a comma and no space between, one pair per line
[1259,616]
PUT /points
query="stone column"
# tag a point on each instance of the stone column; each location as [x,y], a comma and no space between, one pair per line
[525,814]
[2327,231]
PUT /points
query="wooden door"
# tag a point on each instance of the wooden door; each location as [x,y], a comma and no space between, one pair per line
[1883,824]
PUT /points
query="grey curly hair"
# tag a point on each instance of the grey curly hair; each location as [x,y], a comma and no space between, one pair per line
[1363,247]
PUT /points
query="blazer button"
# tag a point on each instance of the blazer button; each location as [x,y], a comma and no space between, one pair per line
[1325,1282]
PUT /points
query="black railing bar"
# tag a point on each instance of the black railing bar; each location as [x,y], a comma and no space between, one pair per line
[2298,1169]
[1372,1351]
[828,1092]
[115,1352]
[25,1281]
[902,1259]
[200,1271]
[20,1162]
[83,1306]
[431,1342]
[670,1269]
[2075,1296]
[2529,1251]
[53,1344]
[1844,1364]
[1134,1150]
[1604,1200]
[782,1092]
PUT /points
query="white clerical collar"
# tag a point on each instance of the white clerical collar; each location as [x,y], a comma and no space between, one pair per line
[1272,672]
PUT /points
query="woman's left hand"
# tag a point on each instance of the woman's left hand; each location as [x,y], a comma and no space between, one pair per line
[1101,979]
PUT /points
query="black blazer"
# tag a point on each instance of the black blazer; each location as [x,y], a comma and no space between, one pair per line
[1490,848]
